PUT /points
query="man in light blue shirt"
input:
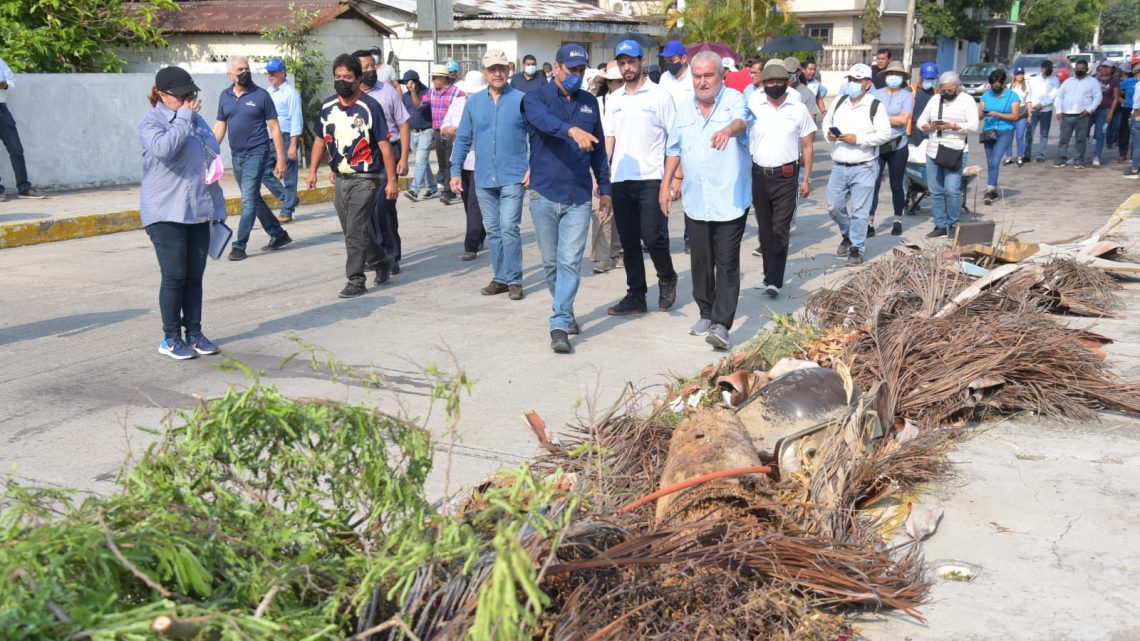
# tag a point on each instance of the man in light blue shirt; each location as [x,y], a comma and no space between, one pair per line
[493,122]
[1077,98]
[289,117]
[10,136]
[706,141]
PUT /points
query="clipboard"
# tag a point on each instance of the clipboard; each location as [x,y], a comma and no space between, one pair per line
[220,235]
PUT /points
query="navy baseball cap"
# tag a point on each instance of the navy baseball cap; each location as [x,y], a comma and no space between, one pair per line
[410,75]
[572,55]
[275,64]
[628,48]
[1017,70]
[673,48]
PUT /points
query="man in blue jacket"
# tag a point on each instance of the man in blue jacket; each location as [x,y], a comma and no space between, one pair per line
[493,121]
[566,143]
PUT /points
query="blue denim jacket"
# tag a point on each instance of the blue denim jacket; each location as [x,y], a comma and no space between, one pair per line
[499,132]
[177,146]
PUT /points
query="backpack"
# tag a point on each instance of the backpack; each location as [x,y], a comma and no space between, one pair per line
[886,147]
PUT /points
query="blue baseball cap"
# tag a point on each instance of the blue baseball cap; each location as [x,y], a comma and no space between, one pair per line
[275,64]
[572,55]
[1017,70]
[628,48]
[452,66]
[929,70]
[673,48]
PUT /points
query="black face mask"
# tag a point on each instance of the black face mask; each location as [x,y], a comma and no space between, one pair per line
[1080,73]
[673,67]
[997,90]
[775,92]
[369,78]
[344,88]
[245,79]
[948,95]
[1046,72]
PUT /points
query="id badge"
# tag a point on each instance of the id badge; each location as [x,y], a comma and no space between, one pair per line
[787,170]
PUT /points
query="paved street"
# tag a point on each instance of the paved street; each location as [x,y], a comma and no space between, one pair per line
[1046,510]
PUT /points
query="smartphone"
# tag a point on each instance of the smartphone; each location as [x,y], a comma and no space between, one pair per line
[835,132]
[938,122]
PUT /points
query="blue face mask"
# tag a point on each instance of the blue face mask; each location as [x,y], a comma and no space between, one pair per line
[572,83]
[854,89]
[928,84]
[531,70]
[894,82]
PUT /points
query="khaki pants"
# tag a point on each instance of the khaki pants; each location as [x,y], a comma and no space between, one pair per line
[605,245]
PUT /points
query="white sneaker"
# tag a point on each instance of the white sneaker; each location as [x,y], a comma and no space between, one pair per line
[772,291]
[1096,162]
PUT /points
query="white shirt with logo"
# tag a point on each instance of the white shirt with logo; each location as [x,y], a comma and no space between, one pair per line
[775,133]
[639,124]
[680,88]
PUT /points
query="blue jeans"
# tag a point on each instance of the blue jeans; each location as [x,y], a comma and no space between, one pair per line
[995,151]
[1098,125]
[249,172]
[1017,150]
[1135,124]
[945,192]
[856,184]
[421,153]
[181,250]
[10,136]
[283,190]
[561,230]
[1042,120]
[502,214]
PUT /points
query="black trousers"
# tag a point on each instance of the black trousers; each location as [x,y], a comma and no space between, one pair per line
[355,200]
[384,225]
[637,214]
[443,157]
[715,256]
[774,198]
[476,234]
[894,166]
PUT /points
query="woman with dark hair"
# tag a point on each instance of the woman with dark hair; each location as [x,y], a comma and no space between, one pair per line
[181,199]
[1001,108]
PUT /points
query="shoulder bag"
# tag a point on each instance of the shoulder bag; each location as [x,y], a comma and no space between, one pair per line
[946,157]
[990,135]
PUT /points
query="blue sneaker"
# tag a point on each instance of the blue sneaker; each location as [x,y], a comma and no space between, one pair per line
[202,345]
[176,348]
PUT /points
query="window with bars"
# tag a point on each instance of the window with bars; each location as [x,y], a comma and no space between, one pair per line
[820,32]
[469,56]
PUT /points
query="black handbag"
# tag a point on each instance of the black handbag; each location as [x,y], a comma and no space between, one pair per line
[946,157]
[987,135]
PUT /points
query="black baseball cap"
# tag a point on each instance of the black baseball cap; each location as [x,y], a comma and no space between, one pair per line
[175,81]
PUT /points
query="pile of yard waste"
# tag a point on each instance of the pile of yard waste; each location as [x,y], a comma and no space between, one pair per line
[771,496]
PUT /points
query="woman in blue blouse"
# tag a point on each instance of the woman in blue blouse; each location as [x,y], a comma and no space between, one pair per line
[1000,107]
[178,206]
[898,100]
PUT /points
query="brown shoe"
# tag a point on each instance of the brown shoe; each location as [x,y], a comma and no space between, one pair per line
[516,292]
[284,220]
[494,288]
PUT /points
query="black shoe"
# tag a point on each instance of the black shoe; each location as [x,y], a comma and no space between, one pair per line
[277,242]
[668,293]
[467,256]
[1060,163]
[559,342]
[32,192]
[1079,165]
[237,254]
[855,257]
[717,336]
[937,232]
[896,228]
[447,199]
[574,329]
[629,305]
[1007,161]
[688,248]
[990,197]
[395,269]
[352,290]
[844,247]
[870,231]
[382,274]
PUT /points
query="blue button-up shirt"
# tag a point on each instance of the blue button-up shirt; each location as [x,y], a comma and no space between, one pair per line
[559,170]
[718,184]
[7,76]
[177,147]
[498,130]
[288,104]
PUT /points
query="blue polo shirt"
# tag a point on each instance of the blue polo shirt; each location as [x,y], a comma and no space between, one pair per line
[418,118]
[519,81]
[559,170]
[245,119]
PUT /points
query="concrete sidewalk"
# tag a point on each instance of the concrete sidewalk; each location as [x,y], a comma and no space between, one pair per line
[82,213]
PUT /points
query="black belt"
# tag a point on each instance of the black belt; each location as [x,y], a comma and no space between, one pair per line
[362,176]
[773,171]
[421,129]
[853,164]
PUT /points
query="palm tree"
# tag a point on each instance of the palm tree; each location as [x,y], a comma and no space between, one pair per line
[740,24]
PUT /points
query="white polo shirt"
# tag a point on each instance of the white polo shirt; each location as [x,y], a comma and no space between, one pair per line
[639,124]
[680,88]
[775,133]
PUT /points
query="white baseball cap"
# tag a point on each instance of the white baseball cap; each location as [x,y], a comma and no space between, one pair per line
[472,83]
[859,72]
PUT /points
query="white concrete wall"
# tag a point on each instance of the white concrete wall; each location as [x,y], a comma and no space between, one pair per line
[89,137]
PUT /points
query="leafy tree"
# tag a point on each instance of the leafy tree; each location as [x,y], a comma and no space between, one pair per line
[743,25]
[956,18]
[872,21]
[1051,25]
[54,36]
[1120,21]
[308,68]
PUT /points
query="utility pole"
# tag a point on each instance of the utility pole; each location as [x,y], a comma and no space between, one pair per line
[908,36]
[434,31]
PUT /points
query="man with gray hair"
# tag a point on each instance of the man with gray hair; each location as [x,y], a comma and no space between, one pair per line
[706,142]
[247,112]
